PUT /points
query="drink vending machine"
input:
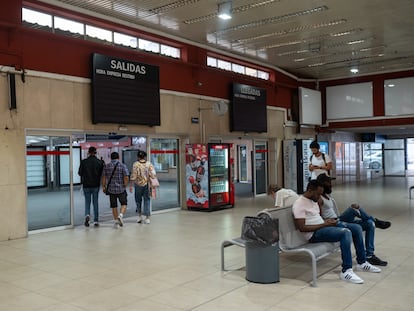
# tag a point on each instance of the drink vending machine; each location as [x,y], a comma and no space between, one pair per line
[208,176]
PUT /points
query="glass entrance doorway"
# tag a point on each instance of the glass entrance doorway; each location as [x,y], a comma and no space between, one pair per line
[49,180]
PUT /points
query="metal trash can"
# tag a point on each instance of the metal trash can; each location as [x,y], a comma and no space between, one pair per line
[262,248]
[262,263]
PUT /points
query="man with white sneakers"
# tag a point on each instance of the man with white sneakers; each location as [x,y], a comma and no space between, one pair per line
[352,215]
[315,229]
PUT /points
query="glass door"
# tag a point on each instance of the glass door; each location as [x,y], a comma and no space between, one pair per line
[242,159]
[346,162]
[164,156]
[394,157]
[49,181]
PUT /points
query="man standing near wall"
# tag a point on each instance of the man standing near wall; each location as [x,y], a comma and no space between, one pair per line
[114,182]
[319,163]
[90,171]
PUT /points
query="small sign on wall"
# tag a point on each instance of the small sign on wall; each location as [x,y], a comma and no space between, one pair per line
[194,120]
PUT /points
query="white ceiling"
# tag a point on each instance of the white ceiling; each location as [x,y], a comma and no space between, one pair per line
[316,39]
[319,39]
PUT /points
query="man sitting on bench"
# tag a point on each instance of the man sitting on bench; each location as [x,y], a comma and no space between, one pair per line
[315,229]
[283,197]
[353,214]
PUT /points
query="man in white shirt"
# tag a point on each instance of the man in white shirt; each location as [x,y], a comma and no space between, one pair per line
[283,197]
[319,163]
[315,229]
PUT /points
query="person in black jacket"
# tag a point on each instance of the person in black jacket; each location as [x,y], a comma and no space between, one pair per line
[90,171]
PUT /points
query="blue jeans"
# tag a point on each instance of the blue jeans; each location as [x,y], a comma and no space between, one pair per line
[367,223]
[343,235]
[142,192]
[91,193]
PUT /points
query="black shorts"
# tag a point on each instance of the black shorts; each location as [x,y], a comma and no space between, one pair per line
[113,199]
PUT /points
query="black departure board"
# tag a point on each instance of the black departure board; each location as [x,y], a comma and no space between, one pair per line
[124,92]
[248,112]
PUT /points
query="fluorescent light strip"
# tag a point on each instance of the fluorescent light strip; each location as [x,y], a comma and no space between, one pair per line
[315,39]
[293,30]
[331,55]
[293,52]
[373,48]
[273,20]
[339,44]
[346,33]
[172,6]
[347,60]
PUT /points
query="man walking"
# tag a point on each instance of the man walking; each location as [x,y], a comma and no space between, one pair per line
[90,171]
[114,182]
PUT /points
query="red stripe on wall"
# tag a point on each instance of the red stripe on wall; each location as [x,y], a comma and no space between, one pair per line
[37,153]
[164,151]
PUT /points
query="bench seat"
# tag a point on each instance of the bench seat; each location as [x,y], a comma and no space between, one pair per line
[291,240]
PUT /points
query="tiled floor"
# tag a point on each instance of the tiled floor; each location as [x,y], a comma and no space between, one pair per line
[174,264]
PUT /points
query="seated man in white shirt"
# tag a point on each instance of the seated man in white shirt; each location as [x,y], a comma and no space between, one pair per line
[283,197]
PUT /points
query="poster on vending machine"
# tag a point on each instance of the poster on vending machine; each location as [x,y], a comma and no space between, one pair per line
[197,191]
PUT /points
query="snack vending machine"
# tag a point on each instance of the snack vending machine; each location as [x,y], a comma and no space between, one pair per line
[208,176]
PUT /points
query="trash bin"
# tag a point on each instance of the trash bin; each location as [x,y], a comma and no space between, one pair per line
[262,248]
[262,263]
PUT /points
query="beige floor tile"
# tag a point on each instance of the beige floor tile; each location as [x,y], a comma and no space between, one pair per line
[70,290]
[147,305]
[105,300]
[174,264]
[39,281]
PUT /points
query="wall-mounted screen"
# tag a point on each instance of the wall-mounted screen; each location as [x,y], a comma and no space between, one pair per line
[248,112]
[399,97]
[124,92]
[349,101]
[310,107]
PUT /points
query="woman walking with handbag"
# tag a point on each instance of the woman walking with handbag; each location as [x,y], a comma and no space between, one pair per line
[142,174]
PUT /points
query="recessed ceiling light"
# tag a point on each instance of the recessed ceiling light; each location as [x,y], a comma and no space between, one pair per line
[224,10]
[354,70]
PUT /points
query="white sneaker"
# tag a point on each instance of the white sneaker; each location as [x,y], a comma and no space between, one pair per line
[366,266]
[120,220]
[139,220]
[147,221]
[351,277]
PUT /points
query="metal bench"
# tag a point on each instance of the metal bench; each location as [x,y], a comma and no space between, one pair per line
[291,240]
[226,243]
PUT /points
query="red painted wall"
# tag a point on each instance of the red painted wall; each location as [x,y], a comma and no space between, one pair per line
[43,51]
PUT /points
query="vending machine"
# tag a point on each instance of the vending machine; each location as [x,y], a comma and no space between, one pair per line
[208,176]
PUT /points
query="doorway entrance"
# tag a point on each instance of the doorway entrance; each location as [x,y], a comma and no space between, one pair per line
[49,166]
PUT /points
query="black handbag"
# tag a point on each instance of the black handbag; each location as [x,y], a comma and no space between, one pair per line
[262,229]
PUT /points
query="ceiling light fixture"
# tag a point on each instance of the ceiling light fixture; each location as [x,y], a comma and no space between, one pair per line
[224,10]
[354,69]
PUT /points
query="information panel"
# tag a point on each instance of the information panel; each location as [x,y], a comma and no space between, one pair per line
[248,109]
[124,92]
